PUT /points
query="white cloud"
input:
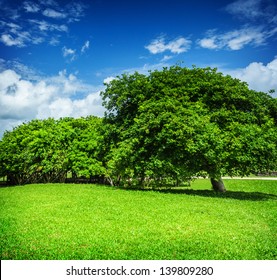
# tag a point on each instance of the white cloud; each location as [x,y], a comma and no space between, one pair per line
[176,46]
[75,11]
[85,47]
[54,41]
[53,14]
[166,58]
[13,35]
[259,17]
[248,9]
[31,29]
[67,52]
[263,11]
[14,28]
[64,107]
[9,41]
[235,39]
[63,95]
[109,79]
[70,53]
[259,76]
[68,84]
[208,43]
[21,69]
[19,98]
[31,7]
[61,107]
[43,25]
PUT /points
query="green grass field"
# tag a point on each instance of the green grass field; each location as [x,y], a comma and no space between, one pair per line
[68,221]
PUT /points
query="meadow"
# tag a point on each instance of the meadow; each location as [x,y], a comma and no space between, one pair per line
[89,222]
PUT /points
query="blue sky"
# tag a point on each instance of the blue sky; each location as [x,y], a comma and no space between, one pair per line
[55,55]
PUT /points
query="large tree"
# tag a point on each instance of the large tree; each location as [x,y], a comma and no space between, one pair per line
[179,122]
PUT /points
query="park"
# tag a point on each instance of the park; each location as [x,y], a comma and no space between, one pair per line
[164,160]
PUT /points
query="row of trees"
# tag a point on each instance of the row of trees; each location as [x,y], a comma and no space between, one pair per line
[159,129]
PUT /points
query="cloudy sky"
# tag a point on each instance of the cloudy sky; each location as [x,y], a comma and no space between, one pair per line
[55,55]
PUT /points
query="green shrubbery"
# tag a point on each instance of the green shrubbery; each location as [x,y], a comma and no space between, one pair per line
[46,150]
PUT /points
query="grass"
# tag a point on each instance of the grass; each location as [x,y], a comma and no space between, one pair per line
[70,221]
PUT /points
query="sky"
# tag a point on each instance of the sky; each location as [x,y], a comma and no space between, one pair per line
[55,56]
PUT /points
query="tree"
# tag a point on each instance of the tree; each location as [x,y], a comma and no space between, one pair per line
[34,152]
[14,155]
[178,123]
[46,150]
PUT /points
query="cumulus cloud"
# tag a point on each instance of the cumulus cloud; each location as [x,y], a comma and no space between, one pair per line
[259,76]
[64,107]
[19,98]
[23,99]
[68,84]
[109,79]
[176,46]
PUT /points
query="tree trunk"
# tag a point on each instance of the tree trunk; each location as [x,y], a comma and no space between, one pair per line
[218,185]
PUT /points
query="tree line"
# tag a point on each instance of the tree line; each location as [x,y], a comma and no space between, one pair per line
[160,129]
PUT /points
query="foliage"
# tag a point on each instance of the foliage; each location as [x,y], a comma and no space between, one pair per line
[45,150]
[85,148]
[88,222]
[179,122]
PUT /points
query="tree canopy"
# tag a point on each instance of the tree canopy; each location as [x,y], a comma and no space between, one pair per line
[159,129]
[178,123]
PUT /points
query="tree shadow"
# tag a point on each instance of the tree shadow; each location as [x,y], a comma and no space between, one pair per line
[239,195]
[7,186]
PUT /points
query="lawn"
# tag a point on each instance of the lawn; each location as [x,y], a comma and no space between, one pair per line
[71,221]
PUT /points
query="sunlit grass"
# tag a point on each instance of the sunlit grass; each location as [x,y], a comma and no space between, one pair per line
[68,221]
